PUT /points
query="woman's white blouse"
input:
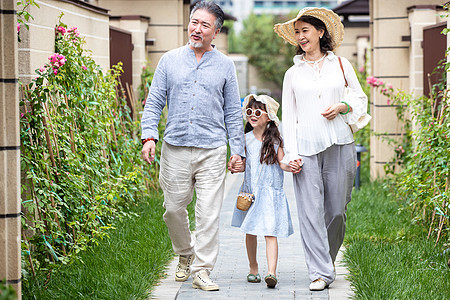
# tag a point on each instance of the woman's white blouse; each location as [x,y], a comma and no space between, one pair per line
[306,94]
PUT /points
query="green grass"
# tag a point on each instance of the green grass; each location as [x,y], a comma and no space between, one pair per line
[388,255]
[124,266]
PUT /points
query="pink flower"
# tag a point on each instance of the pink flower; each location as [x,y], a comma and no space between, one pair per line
[389,86]
[21,115]
[18,27]
[57,60]
[388,101]
[61,30]
[84,67]
[55,71]
[373,81]
[41,69]
[400,150]
[74,31]
[361,70]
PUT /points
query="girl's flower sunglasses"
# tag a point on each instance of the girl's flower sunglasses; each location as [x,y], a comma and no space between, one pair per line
[254,112]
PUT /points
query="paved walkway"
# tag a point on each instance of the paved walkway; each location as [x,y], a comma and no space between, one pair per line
[232,265]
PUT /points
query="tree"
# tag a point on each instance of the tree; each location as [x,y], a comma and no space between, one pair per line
[265,49]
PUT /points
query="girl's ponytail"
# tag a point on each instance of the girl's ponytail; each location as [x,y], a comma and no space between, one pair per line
[271,137]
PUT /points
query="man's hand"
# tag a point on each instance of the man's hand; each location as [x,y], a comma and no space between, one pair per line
[236,164]
[149,148]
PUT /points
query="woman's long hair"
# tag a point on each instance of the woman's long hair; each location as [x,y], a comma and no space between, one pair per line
[326,43]
[270,137]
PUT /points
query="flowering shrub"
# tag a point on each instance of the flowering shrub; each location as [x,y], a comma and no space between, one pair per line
[80,159]
[422,180]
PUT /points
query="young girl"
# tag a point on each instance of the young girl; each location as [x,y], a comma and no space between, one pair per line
[269,214]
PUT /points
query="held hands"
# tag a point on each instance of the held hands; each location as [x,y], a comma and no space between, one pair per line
[296,166]
[236,164]
[333,110]
[148,151]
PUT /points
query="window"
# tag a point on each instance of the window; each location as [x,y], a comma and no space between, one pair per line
[259,3]
[277,3]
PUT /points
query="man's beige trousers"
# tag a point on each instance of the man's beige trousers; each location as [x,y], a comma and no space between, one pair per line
[183,170]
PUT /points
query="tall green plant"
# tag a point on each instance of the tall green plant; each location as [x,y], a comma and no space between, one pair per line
[146,80]
[421,166]
[81,165]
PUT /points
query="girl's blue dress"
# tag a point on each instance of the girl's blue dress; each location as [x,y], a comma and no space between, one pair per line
[269,215]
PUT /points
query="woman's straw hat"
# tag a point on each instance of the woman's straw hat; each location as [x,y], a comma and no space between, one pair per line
[331,20]
[271,106]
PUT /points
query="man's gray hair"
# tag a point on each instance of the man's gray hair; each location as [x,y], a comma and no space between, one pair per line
[212,8]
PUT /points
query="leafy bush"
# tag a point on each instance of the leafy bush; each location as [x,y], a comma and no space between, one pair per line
[421,166]
[80,157]
[7,292]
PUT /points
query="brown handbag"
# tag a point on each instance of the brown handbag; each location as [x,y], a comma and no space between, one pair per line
[244,201]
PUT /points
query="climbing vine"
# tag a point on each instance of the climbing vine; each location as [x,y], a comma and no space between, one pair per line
[80,155]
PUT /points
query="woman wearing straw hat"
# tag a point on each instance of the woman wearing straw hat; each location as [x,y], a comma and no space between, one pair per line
[316,132]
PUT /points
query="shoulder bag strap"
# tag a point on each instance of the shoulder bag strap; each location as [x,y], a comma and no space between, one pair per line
[342,68]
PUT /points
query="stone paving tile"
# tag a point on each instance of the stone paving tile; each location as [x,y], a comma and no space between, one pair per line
[232,266]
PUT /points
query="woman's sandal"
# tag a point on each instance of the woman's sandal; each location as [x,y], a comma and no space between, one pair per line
[254,278]
[271,281]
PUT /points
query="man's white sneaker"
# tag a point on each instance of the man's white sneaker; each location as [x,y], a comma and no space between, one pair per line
[318,285]
[183,268]
[202,281]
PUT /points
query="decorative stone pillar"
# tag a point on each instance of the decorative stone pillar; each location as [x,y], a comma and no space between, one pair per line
[419,16]
[9,149]
[397,58]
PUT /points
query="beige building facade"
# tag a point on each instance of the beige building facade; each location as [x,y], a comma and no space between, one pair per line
[355,45]
[37,43]
[396,35]
[156,26]
[10,229]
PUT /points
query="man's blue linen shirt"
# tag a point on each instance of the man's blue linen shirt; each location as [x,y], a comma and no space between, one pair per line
[203,101]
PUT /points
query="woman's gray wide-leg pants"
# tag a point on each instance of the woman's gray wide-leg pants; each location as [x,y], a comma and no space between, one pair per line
[323,189]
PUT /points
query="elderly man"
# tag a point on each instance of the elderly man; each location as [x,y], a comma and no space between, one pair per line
[200,86]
